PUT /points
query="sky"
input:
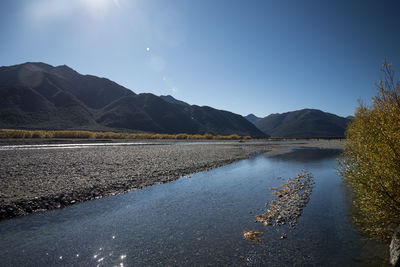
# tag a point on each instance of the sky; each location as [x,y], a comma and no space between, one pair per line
[245,56]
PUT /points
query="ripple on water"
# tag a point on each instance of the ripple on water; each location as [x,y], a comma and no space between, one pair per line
[197,221]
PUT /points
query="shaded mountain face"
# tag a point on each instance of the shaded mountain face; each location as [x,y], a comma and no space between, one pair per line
[252,118]
[40,96]
[171,99]
[305,123]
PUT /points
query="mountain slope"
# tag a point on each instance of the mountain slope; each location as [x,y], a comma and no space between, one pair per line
[252,118]
[305,123]
[38,95]
[171,99]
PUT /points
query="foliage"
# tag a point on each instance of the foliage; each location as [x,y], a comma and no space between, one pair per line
[371,159]
[113,135]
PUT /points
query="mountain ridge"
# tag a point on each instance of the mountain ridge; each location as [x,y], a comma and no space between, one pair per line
[36,95]
[304,123]
[171,99]
[252,118]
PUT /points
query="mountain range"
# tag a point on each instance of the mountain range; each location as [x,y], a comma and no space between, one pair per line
[305,123]
[40,96]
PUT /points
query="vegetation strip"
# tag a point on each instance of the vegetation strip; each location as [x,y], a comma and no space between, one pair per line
[5,133]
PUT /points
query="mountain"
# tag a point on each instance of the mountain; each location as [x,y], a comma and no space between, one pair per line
[305,123]
[252,118]
[171,99]
[40,96]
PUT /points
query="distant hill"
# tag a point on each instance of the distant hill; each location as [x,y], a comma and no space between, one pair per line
[252,118]
[40,96]
[305,123]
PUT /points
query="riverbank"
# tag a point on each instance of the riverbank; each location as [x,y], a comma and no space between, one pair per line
[35,180]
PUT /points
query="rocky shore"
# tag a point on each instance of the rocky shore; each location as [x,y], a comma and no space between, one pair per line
[35,180]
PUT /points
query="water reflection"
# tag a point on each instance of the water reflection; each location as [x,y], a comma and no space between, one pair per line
[98,144]
[306,155]
[70,146]
[197,221]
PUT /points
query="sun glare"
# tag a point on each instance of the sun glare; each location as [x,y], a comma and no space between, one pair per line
[49,10]
[99,7]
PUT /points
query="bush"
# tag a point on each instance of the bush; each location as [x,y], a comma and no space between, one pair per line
[208,136]
[234,137]
[36,134]
[74,134]
[371,159]
[181,136]
[17,134]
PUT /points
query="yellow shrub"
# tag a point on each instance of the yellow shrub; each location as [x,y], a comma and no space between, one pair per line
[371,161]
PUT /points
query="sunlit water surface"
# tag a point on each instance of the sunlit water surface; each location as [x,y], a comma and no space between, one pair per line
[109,144]
[199,221]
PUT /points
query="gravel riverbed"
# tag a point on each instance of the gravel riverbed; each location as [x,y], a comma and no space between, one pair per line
[34,180]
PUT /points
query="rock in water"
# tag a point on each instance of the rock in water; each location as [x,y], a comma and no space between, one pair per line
[252,235]
[395,248]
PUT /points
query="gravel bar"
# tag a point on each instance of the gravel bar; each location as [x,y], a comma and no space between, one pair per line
[43,179]
[35,180]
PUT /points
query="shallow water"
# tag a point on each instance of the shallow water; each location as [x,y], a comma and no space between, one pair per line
[199,221]
[109,144]
[66,145]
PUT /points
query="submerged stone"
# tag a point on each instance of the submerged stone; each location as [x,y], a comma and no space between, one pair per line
[252,235]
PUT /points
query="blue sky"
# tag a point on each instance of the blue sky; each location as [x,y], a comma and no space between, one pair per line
[256,57]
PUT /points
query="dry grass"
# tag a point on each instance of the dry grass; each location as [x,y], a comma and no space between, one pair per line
[113,135]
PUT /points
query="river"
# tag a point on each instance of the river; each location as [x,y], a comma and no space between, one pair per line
[199,220]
